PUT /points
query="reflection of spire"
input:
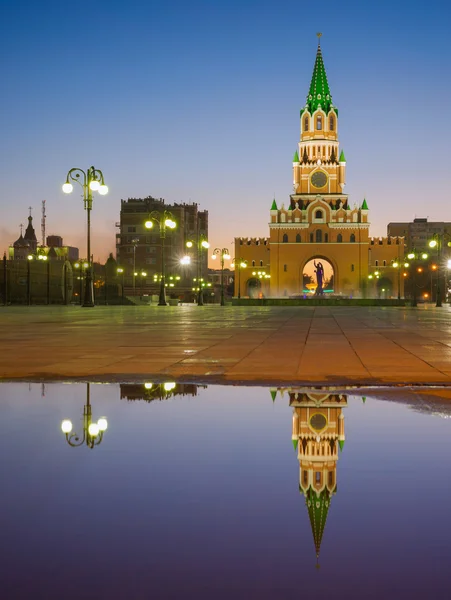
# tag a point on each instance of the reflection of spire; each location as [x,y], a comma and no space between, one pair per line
[318,508]
[318,432]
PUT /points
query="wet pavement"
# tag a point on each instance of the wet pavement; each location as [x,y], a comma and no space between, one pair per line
[169,490]
[319,345]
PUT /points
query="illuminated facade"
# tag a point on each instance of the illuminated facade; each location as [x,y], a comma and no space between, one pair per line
[318,222]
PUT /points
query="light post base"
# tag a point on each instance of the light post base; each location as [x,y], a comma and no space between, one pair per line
[162,296]
[88,301]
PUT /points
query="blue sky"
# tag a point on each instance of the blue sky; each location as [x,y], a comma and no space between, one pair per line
[199,101]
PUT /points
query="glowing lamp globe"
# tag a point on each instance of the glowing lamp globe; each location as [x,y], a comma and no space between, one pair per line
[93,430]
[102,424]
[148,224]
[189,244]
[94,185]
[226,256]
[67,187]
[205,244]
[103,190]
[432,244]
[66,426]
[168,386]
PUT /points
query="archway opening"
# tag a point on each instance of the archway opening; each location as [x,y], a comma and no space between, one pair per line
[318,277]
[253,287]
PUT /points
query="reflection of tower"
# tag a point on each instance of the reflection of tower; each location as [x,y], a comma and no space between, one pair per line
[318,432]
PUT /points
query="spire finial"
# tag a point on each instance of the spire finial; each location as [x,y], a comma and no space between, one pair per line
[21,228]
[318,35]
[30,209]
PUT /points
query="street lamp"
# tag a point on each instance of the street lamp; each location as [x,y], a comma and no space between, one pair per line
[414,257]
[224,255]
[92,432]
[120,271]
[90,181]
[437,242]
[30,258]
[135,242]
[396,265]
[239,264]
[164,221]
[201,244]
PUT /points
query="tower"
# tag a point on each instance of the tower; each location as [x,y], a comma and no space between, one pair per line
[318,435]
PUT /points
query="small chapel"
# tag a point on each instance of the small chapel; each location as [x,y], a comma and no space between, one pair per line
[318,223]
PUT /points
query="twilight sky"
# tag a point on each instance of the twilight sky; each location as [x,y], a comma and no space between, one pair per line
[199,101]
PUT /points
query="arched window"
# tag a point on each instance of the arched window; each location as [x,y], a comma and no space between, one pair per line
[241,242]
[253,263]
[319,122]
[352,267]
[285,238]
[376,262]
[331,123]
[261,263]
[311,238]
[298,238]
[352,238]
[385,263]
[305,123]
[339,238]
[319,235]
[318,214]
[326,237]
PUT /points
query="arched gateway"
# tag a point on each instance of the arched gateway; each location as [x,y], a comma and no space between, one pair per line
[318,220]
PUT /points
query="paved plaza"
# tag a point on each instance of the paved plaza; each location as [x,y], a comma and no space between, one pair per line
[273,345]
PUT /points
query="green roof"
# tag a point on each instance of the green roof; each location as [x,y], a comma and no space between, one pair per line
[341,443]
[319,92]
[364,205]
[296,157]
[318,508]
[342,157]
[274,205]
[295,443]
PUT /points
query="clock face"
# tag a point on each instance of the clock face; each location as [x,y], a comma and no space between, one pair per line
[319,179]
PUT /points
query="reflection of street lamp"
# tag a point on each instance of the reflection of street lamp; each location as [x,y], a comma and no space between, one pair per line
[224,255]
[239,264]
[201,244]
[92,432]
[91,181]
[164,220]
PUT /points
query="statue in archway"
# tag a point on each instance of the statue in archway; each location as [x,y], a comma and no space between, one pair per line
[319,270]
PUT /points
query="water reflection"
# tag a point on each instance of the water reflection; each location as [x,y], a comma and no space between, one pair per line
[157,391]
[318,433]
[92,432]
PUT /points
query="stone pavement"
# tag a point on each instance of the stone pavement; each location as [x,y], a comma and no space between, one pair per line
[274,345]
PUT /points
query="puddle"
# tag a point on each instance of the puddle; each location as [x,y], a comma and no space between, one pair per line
[169,490]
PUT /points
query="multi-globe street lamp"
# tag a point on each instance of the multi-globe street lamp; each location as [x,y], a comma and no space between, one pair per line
[201,243]
[82,266]
[90,180]
[164,220]
[92,432]
[223,253]
[239,264]
[415,256]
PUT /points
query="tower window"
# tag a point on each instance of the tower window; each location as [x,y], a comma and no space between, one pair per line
[285,268]
[331,123]
[331,478]
[306,124]
[318,477]
[285,238]
[352,267]
[319,122]
[311,238]
[253,263]
[376,263]
[326,237]
[298,238]
[305,475]
[352,238]
[319,214]
[261,263]
[385,263]
[319,235]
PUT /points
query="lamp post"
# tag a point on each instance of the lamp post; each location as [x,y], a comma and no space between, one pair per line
[201,244]
[120,271]
[143,277]
[5,280]
[90,181]
[414,256]
[239,264]
[164,220]
[262,277]
[223,253]
[396,265]
[30,258]
[135,242]
[92,432]
[437,242]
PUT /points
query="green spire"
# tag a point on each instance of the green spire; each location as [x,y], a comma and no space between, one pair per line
[273,392]
[295,443]
[296,157]
[364,205]
[274,207]
[341,443]
[318,508]
[342,157]
[319,92]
